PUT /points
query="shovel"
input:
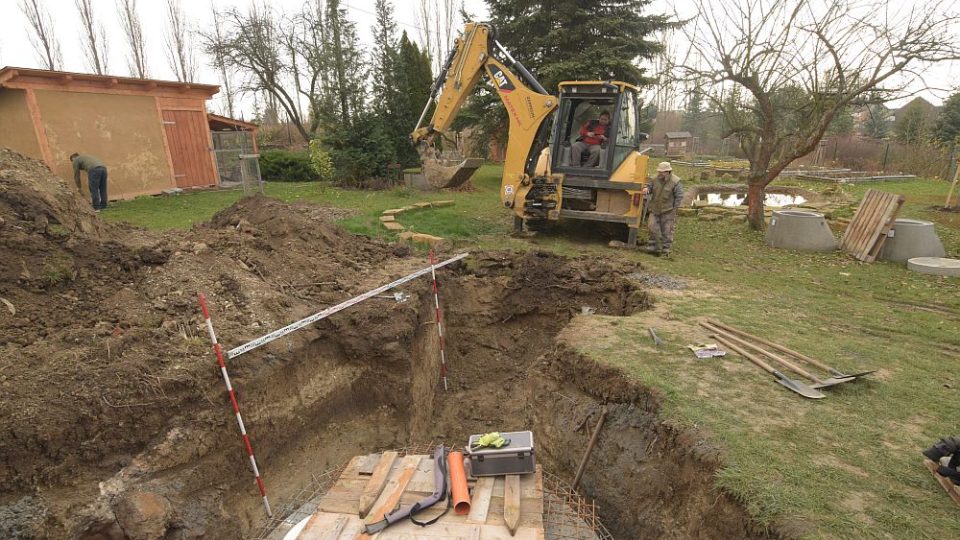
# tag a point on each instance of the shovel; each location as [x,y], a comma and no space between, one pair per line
[819,383]
[781,348]
[791,384]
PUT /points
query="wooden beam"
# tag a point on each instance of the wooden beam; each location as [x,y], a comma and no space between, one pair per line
[166,144]
[482,493]
[376,483]
[38,129]
[511,502]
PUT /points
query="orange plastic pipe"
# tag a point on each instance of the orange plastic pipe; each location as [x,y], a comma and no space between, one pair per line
[459,494]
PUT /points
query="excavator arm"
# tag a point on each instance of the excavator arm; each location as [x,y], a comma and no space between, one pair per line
[528,105]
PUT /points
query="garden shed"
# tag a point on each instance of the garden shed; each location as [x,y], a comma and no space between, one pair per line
[678,143]
[153,135]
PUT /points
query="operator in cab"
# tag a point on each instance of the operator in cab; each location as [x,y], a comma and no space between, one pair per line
[593,134]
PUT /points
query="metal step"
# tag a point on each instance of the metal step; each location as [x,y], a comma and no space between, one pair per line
[596,216]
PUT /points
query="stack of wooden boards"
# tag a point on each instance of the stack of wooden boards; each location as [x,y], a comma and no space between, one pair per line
[503,507]
[866,233]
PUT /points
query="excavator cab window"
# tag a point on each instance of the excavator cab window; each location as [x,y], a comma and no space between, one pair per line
[627,128]
[574,113]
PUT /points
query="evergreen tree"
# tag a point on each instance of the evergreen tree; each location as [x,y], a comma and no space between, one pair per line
[877,123]
[947,129]
[579,39]
[913,126]
[694,115]
[413,81]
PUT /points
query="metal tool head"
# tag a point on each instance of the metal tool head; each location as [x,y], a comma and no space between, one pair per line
[832,381]
[798,386]
[841,375]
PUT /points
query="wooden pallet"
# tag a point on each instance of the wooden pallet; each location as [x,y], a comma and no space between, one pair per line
[948,485]
[868,230]
[501,509]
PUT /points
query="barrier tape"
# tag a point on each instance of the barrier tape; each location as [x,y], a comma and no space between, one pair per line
[436,304]
[276,334]
[233,401]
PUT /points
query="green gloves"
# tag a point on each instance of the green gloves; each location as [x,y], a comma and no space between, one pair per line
[490,440]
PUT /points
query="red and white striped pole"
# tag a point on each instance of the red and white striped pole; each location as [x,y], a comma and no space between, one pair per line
[436,304]
[233,401]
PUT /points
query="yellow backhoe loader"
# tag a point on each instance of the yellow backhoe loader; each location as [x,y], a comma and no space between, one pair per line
[541,182]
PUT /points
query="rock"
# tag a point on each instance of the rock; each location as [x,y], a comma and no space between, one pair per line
[426,239]
[407,235]
[392,225]
[2,222]
[424,204]
[392,212]
[741,218]
[143,514]
[200,248]
[387,219]
[710,217]
[245,226]
[440,204]
[617,244]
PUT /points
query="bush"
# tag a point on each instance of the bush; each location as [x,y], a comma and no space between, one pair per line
[286,166]
[321,161]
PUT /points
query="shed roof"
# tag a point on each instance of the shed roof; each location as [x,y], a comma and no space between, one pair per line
[28,78]
[225,123]
[679,134]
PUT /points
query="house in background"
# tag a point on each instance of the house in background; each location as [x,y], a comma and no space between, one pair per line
[153,135]
[678,143]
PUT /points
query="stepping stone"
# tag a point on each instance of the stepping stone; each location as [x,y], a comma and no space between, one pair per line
[385,219]
[938,266]
[393,226]
[423,205]
[426,239]
[392,212]
[439,204]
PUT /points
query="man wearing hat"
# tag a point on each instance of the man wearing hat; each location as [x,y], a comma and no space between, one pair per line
[665,193]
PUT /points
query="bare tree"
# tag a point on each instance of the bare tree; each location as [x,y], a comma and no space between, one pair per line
[437,27]
[93,37]
[219,62]
[43,38]
[180,53]
[133,31]
[781,70]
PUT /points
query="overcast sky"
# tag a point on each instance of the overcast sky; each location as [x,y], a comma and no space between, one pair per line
[15,48]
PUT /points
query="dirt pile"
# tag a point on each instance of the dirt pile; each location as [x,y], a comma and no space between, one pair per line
[33,197]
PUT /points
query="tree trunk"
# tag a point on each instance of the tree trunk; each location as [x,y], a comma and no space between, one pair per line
[755,193]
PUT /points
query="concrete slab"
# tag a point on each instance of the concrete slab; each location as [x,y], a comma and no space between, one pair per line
[393,226]
[937,266]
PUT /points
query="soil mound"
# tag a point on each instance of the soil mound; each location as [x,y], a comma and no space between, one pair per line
[32,196]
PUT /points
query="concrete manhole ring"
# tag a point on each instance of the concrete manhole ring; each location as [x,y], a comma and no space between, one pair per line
[938,266]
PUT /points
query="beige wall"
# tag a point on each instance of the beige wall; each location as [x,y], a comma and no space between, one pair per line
[16,127]
[125,132]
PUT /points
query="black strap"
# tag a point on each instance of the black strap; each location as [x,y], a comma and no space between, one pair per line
[416,507]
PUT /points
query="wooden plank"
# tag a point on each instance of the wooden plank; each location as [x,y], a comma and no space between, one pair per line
[376,483]
[885,229]
[481,500]
[367,464]
[394,489]
[881,224]
[511,502]
[324,526]
[873,226]
[39,131]
[857,225]
[946,483]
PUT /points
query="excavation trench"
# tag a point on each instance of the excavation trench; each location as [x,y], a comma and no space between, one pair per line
[114,422]
[370,381]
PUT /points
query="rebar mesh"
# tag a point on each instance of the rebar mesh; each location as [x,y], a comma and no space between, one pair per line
[566,514]
[250,174]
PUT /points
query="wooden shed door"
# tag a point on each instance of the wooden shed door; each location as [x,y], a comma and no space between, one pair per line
[188,136]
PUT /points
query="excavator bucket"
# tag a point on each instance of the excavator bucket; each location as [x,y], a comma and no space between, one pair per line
[449,173]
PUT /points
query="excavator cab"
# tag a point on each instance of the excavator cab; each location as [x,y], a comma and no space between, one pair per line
[581,104]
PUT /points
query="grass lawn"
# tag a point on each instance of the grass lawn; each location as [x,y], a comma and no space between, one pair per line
[847,466]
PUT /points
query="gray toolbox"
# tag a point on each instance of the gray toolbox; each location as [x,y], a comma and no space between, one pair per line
[516,457]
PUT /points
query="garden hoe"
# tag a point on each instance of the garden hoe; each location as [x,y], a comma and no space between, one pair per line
[791,384]
[836,373]
[818,382]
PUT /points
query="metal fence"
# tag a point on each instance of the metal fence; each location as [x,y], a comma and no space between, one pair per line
[228,147]
[250,174]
